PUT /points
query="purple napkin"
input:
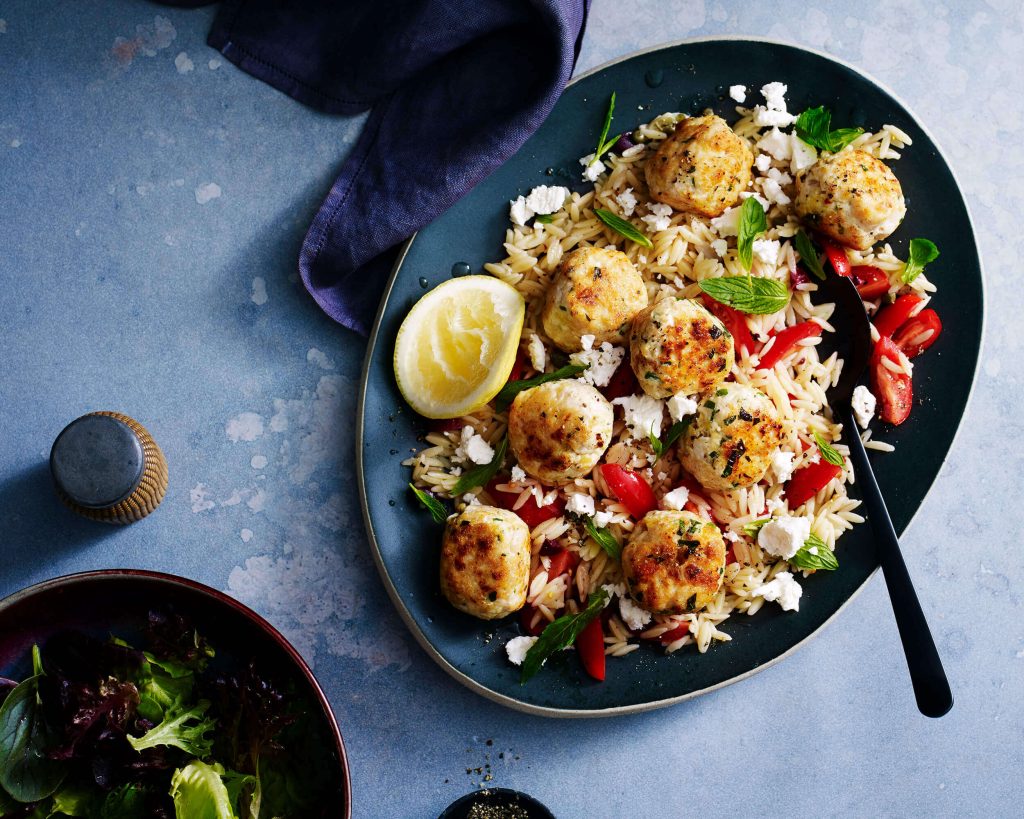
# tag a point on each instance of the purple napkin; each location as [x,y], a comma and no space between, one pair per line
[455,87]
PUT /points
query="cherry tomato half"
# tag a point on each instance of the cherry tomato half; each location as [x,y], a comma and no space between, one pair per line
[590,645]
[872,282]
[786,340]
[630,489]
[622,383]
[733,320]
[891,318]
[808,481]
[918,334]
[894,390]
[531,514]
[836,256]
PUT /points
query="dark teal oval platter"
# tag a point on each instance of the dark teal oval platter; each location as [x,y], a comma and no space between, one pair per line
[694,75]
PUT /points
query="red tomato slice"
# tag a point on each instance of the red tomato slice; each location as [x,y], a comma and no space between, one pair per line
[630,489]
[674,634]
[590,645]
[622,383]
[894,390]
[836,256]
[786,340]
[808,481]
[872,282]
[733,321]
[562,561]
[918,334]
[531,514]
[891,318]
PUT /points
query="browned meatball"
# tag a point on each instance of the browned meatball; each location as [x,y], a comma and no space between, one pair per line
[702,167]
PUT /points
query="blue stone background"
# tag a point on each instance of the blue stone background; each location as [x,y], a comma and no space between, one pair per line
[153,202]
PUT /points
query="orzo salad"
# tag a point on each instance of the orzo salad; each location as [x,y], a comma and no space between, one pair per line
[630,407]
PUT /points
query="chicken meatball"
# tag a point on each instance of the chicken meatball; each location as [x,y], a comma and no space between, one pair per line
[732,438]
[851,197]
[485,561]
[596,292]
[702,167]
[674,562]
[559,430]
[676,345]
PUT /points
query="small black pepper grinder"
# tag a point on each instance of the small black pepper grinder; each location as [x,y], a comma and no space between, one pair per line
[107,467]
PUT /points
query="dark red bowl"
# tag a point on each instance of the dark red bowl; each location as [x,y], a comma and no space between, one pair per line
[117,601]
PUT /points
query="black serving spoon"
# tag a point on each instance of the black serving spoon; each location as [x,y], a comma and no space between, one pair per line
[852,340]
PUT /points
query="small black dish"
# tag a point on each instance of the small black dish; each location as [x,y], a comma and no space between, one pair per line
[496,799]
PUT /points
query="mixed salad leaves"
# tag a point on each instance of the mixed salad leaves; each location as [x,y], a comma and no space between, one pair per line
[103,729]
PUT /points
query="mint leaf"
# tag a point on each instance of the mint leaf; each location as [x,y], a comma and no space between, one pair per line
[431,504]
[828,452]
[813,126]
[622,227]
[603,143]
[922,252]
[808,254]
[544,218]
[748,295]
[605,539]
[754,527]
[480,475]
[753,223]
[513,388]
[822,557]
[561,634]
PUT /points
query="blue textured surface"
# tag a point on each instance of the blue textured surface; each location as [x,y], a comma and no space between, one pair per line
[120,290]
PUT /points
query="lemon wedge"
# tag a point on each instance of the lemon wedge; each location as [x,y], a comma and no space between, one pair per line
[456,347]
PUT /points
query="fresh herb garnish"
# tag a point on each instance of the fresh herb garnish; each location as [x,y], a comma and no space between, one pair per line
[922,252]
[748,294]
[603,538]
[544,218]
[674,431]
[431,504]
[561,634]
[622,227]
[753,223]
[513,388]
[821,558]
[604,143]
[751,529]
[814,125]
[479,475]
[808,254]
[828,452]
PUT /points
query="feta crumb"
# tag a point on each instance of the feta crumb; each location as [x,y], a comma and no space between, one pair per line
[777,144]
[767,250]
[642,414]
[784,536]
[774,94]
[602,518]
[728,223]
[782,589]
[633,616]
[774,193]
[763,117]
[763,162]
[774,112]
[474,448]
[517,647]
[519,211]
[863,405]
[738,92]
[518,475]
[804,155]
[782,465]
[471,500]
[781,177]
[626,201]
[680,405]
[587,341]
[731,536]
[545,199]
[603,362]
[720,246]
[538,355]
[592,168]
[676,499]
[580,504]
[660,216]
[614,590]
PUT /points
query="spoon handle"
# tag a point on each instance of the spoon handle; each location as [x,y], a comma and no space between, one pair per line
[926,674]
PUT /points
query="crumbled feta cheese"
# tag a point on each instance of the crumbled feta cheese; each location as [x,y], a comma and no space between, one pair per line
[517,647]
[471,500]
[782,589]
[763,162]
[774,112]
[767,250]
[680,405]
[764,118]
[626,201]
[592,168]
[602,518]
[676,499]
[784,536]
[538,355]
[642,414]
[764,202]
[720,246]
[603,362]
[728,223]
[587,341]
[863,405]
[781,177]
[614,590]
[774,94]
[660,216]
[545,199]
[804,155]
[633,616]
[782,465]
[518,475]
[519,211]
[776,143]
[774,193]
[731,536]
[580,504]
[738,92]
[473,448]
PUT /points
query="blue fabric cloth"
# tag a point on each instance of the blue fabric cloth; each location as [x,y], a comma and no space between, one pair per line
[455,87]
